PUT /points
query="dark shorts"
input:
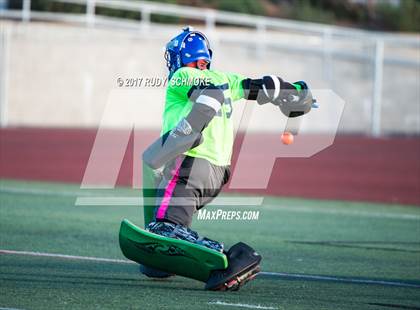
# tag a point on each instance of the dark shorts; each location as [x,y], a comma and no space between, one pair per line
[188,184]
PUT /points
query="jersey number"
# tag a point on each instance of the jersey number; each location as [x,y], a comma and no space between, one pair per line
[227,103]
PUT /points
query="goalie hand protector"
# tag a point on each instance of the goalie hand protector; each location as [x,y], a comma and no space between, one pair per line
[207,101]
[295,100]
[292,99]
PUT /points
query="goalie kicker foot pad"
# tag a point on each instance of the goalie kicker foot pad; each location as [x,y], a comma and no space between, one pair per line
[184,233]
[243,266]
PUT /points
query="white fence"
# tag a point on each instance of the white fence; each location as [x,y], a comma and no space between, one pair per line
[379,52]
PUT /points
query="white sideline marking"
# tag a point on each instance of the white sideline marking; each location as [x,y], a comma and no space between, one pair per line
[109,201]
[221,303]
[275,274]
[40,191]
[338,279]
[93,199]
[138,201]
[343,212]
[9,308]
[75,257]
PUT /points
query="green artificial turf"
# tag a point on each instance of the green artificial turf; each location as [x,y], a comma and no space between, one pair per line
[354,241]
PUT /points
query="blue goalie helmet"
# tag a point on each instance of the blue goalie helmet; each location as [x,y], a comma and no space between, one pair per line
[187,47]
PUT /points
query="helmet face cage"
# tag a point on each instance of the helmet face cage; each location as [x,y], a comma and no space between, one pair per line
[173,53]
[167,58]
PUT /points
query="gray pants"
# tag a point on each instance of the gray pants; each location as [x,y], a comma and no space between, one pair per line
[188,184]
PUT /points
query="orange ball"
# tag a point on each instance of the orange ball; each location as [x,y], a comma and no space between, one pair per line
[287,138]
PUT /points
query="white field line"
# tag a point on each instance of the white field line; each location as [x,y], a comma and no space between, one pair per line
[1,308]
[221,303]
[41,191]
[338,279]
[73,257]
[138,201]
[87,198]
[343,212]
[273,274]
[91,198]
[109,201]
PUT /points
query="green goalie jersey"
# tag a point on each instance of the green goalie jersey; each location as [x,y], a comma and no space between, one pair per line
[218,135]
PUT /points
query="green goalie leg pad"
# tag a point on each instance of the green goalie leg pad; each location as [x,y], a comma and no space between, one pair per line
[175,256]
[149,185]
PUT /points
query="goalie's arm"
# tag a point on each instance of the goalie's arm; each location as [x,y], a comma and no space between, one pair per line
[187,134]
[293,99]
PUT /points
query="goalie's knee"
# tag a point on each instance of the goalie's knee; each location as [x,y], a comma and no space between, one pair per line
[172,144]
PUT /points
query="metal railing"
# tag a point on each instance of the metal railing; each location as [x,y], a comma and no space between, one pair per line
[211,17]
[261,25]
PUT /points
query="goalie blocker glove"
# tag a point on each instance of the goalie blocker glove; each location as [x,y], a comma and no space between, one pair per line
[292,99]
[207,101]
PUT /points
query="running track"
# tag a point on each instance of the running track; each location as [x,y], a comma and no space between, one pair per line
[353,168]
